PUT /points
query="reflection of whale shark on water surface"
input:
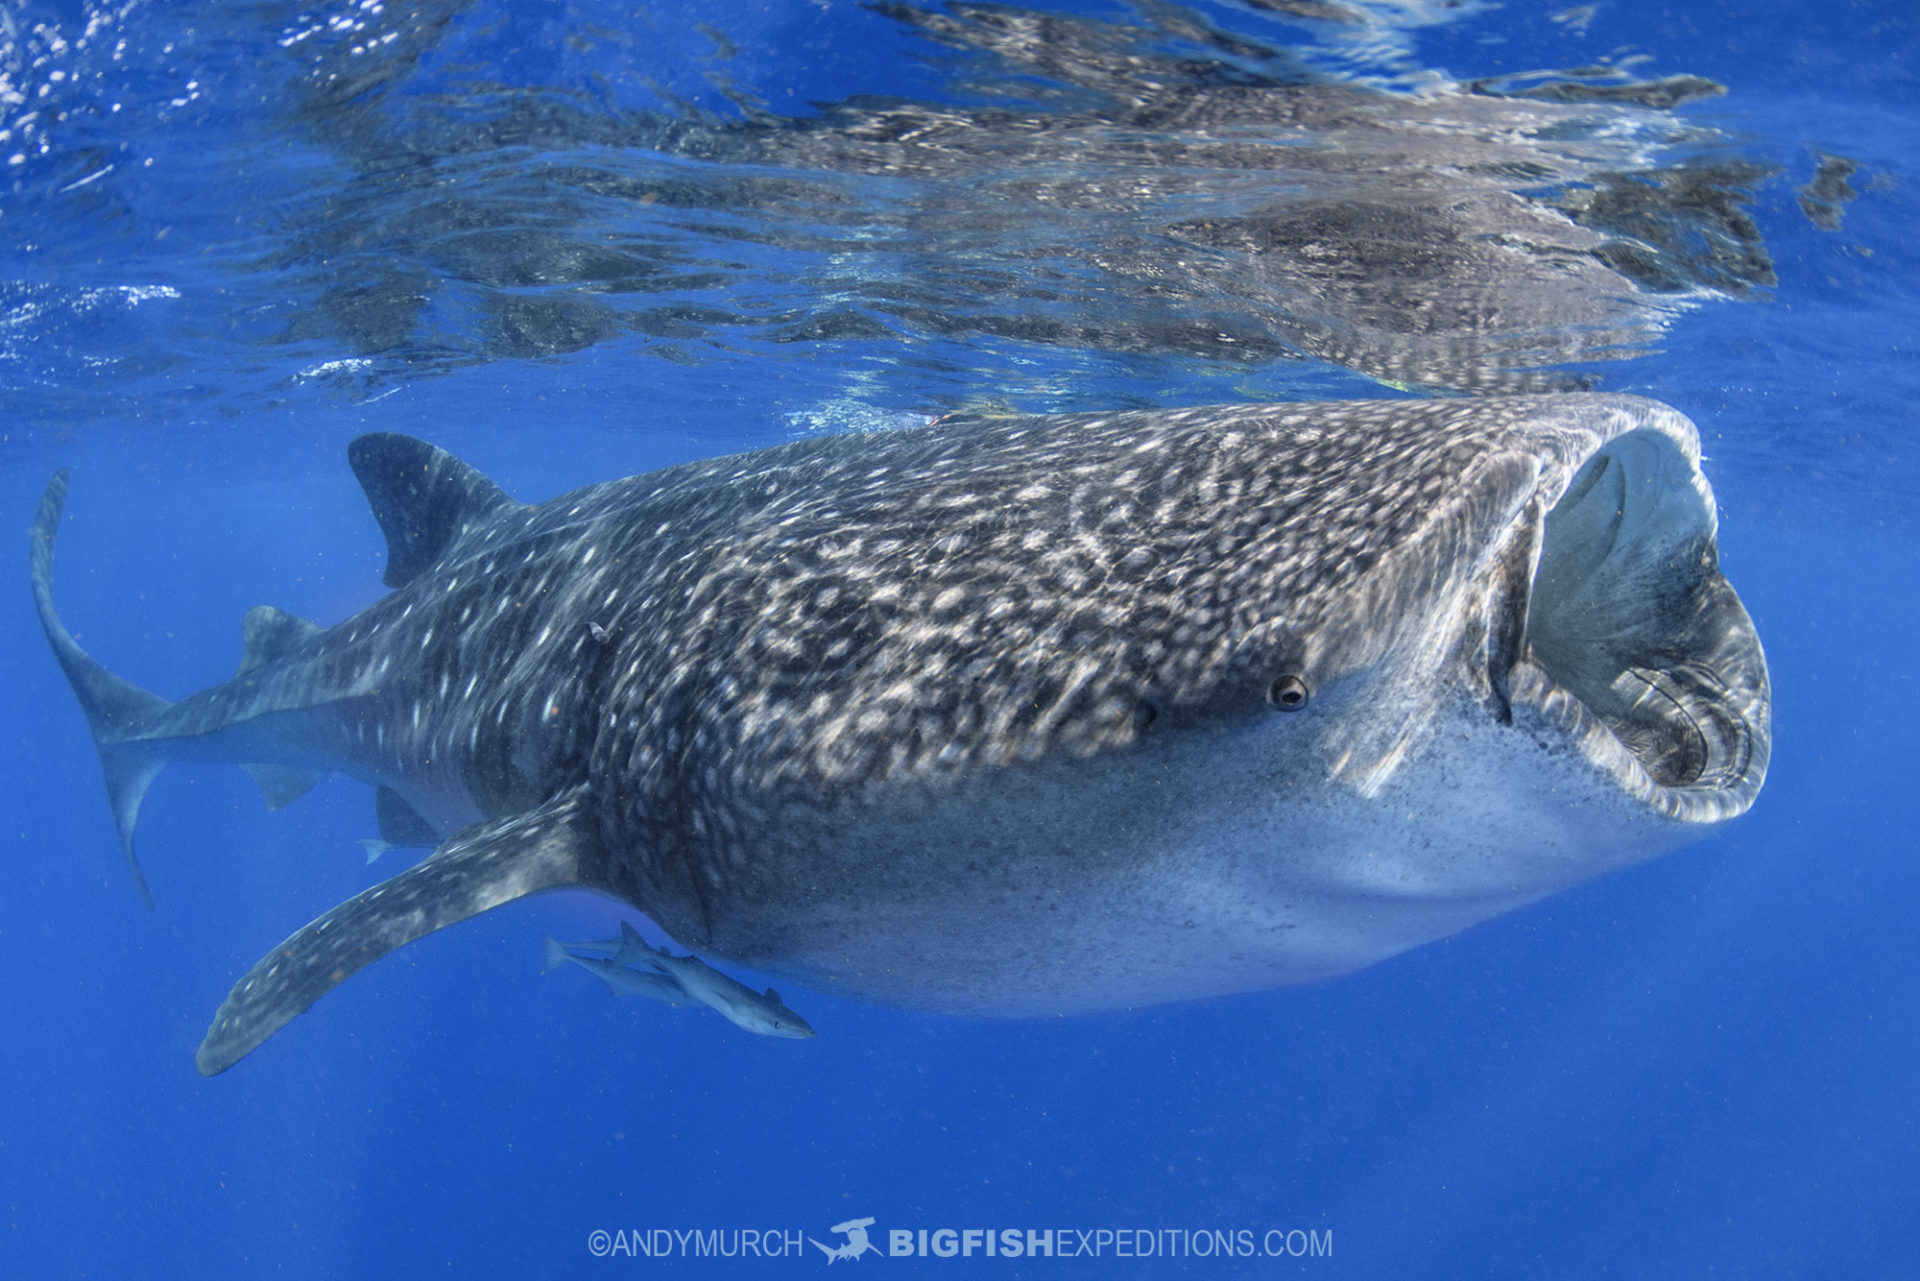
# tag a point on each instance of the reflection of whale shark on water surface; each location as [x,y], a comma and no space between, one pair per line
[1011,716]
[1145,186]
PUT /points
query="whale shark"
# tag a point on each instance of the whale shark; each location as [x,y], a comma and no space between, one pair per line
[1011,716]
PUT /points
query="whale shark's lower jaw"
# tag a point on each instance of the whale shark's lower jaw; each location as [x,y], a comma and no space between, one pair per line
[1637,648]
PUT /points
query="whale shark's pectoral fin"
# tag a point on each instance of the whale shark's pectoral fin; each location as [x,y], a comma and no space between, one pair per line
[476,869]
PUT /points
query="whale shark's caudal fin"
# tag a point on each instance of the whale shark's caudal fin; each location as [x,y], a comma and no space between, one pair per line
[127,721]
[115,708]
[476,869]
[425,499]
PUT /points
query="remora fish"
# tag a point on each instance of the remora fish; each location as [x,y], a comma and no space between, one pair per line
[639,970]
[620,980]
[761,1012]
[1020,716]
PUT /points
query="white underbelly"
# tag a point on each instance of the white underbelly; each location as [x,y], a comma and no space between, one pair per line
[1147,880]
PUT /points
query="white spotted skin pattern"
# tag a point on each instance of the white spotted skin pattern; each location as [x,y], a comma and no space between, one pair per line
[964,715]
[827,638]
[468,691]
[477,870]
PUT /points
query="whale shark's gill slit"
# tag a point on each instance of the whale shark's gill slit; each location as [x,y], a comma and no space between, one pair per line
[1630,614]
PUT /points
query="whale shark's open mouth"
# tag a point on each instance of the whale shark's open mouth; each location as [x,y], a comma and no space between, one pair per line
[1630,615]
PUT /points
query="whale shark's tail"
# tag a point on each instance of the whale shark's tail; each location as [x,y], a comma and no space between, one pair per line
[116,709]
[137,733]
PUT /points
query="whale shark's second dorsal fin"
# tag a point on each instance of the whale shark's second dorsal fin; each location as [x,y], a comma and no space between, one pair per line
[425,499]
[267,633]
[477,868]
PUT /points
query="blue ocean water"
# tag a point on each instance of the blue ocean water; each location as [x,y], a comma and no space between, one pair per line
[549,238]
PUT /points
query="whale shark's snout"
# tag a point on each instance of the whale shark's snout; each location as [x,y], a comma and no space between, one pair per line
[1635,638]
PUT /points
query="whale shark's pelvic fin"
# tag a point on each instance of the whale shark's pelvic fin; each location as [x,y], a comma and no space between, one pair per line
[115,708]
[400,823]
[282,785]
[476,869]
[425,499]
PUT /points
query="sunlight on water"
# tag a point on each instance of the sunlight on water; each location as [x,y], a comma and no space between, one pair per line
[1066,188]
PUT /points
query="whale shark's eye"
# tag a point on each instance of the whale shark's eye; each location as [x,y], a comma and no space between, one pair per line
[1289,693]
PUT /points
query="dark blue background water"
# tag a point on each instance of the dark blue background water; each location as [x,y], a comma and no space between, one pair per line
[1708,1066]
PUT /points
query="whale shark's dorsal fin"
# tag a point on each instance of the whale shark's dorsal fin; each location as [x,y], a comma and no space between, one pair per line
[476,869]
[424,498]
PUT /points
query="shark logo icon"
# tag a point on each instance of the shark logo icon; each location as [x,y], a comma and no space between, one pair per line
[855,1231]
